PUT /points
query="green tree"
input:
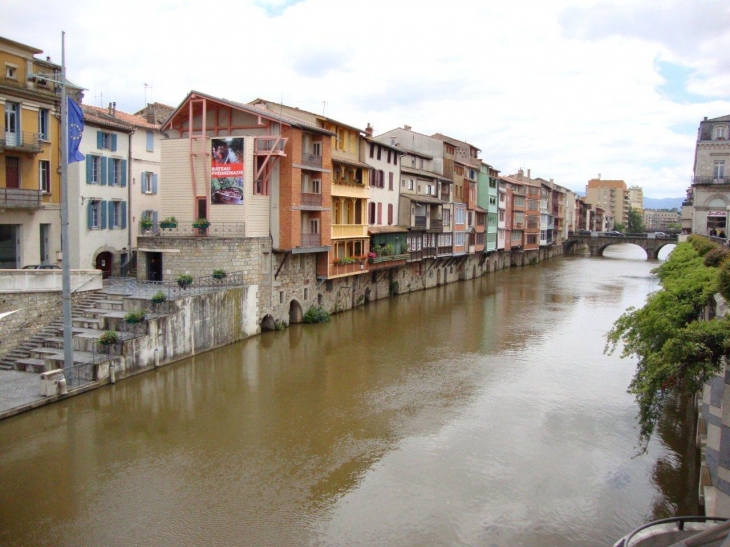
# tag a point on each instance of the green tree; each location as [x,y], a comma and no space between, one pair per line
[675,350]
[636,221]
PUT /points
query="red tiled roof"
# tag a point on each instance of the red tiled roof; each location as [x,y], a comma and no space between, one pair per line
[119,117]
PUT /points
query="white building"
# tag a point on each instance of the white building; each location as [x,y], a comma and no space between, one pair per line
[98,194]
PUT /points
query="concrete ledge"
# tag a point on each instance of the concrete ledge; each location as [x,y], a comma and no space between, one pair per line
[12,281]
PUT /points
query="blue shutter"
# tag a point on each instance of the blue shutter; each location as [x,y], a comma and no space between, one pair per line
[154,217]
[102,160]
[150,141]
[114,142]
[89,168]
[90,214]
[142,182]
[99,140]
[112,220]
[124,173]
[103,215]
[154,183]
[124,214]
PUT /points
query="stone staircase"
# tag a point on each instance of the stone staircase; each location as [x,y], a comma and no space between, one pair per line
[43,351]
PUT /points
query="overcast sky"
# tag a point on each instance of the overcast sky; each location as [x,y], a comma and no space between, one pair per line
[566,88]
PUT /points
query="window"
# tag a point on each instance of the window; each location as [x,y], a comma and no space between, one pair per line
[372,150]
[447,217]
[379,152]
[96,216]
[501,215]
[458,238]
[313,225]
[718,171]
[150,141]
[371,213]
[11,71]
[95,169]
[450,149]
[316,186]
[519,201]
[720,132]
[115,214]
[317,148]
[44,176]
[519,218]
[492,200]
[106,141]
[146,183]
[460,216]
[410,184]
[115,172]
[43,127]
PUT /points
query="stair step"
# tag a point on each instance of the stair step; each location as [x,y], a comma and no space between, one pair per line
[34,365]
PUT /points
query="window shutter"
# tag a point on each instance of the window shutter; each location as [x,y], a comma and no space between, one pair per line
[89,168]
[102,160]
[390,181]
[154,183]
[372,150]
[90,214]
[114,142]
[154,217]
[380,213]
[99,139]
[103,215]
[390,214]
[124,215]
[142,180]
[124,173]
[110,206]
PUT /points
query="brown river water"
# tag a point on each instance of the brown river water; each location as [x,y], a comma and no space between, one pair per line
[482,413]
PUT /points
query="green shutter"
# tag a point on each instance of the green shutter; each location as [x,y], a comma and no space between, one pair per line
[89,168]
[114,142]
[102,160]
[99,140]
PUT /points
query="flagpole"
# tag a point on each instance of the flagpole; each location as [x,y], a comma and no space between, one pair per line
[68,359]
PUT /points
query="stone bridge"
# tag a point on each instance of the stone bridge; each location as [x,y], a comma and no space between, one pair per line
[598,241]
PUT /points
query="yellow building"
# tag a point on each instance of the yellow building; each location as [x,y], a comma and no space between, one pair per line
[636,199]
[610,194]
[30,156]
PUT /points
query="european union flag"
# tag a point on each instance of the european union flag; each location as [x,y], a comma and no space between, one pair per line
[75,128]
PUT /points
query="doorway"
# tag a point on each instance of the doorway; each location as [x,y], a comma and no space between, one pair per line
[9,247]
[45,234]
[12,172]
[104,263]
[154,266]
[296,314]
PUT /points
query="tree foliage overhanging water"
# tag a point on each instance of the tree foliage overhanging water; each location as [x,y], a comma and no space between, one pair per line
[676,349]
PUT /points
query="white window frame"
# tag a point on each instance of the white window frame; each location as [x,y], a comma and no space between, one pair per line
[44,117]
[317,148]
[44,176]
[146,181]
[115,222]
[106,140]
[720,132]
[11,71]
[718,169]
[95,169]
[313,225]
[315,186]
[115,175]
[95,214]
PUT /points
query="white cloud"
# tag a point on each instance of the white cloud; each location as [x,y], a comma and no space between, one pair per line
[566,88]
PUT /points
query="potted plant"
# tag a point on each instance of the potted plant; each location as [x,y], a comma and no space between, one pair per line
[134,317]
[109,338]
[219,274]
[145,223]
[169,222]
[201,224]
[159,297]
[184,280]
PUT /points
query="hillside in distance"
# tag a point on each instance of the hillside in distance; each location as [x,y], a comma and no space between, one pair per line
[664,203]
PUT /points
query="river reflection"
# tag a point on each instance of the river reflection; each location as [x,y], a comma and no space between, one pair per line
[481,413]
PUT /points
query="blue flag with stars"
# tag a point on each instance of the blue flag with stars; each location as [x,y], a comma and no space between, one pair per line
[75,128]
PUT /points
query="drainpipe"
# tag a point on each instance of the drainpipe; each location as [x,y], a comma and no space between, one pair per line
[129,197]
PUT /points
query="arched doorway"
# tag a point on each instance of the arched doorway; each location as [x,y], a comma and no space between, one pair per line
[268,323]
[104,263]
[295,312]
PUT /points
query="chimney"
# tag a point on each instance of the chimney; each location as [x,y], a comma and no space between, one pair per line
[407,127]
[151,114]
[110,109]
[520,172]
[599,176]
[114,108]
[369,130]
[528,174]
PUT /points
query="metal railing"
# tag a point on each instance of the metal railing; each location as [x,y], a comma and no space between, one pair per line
[312,160]
[216,229]
[695,531]
[20,198]
[172,290]
[312,200]
[23,140]
[311,240]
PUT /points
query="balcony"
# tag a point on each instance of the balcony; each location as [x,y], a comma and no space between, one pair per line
[338,270]
[420,221]
[392,261]
[711,180]
[349,230]
[17,198]
[436,225]
[23,141]
[349,189]
[266,145]
[311,200]
[311,160]
[311,240]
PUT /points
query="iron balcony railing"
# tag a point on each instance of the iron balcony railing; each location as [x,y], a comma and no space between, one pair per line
[21,140]
[311,200]
[420,221]
[269,144]
[173,290]
[19,198]
[216,229]
[311,240]
[312,160]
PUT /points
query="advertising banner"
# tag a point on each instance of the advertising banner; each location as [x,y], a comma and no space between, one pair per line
[226,171]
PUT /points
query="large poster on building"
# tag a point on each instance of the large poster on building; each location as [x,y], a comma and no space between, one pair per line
[226,171]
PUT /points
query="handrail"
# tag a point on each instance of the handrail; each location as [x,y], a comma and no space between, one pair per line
[702,538]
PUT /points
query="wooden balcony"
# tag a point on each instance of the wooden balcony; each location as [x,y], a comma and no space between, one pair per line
[339,270]
[349,230]
[349,190]
[18,198]
[385,262]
